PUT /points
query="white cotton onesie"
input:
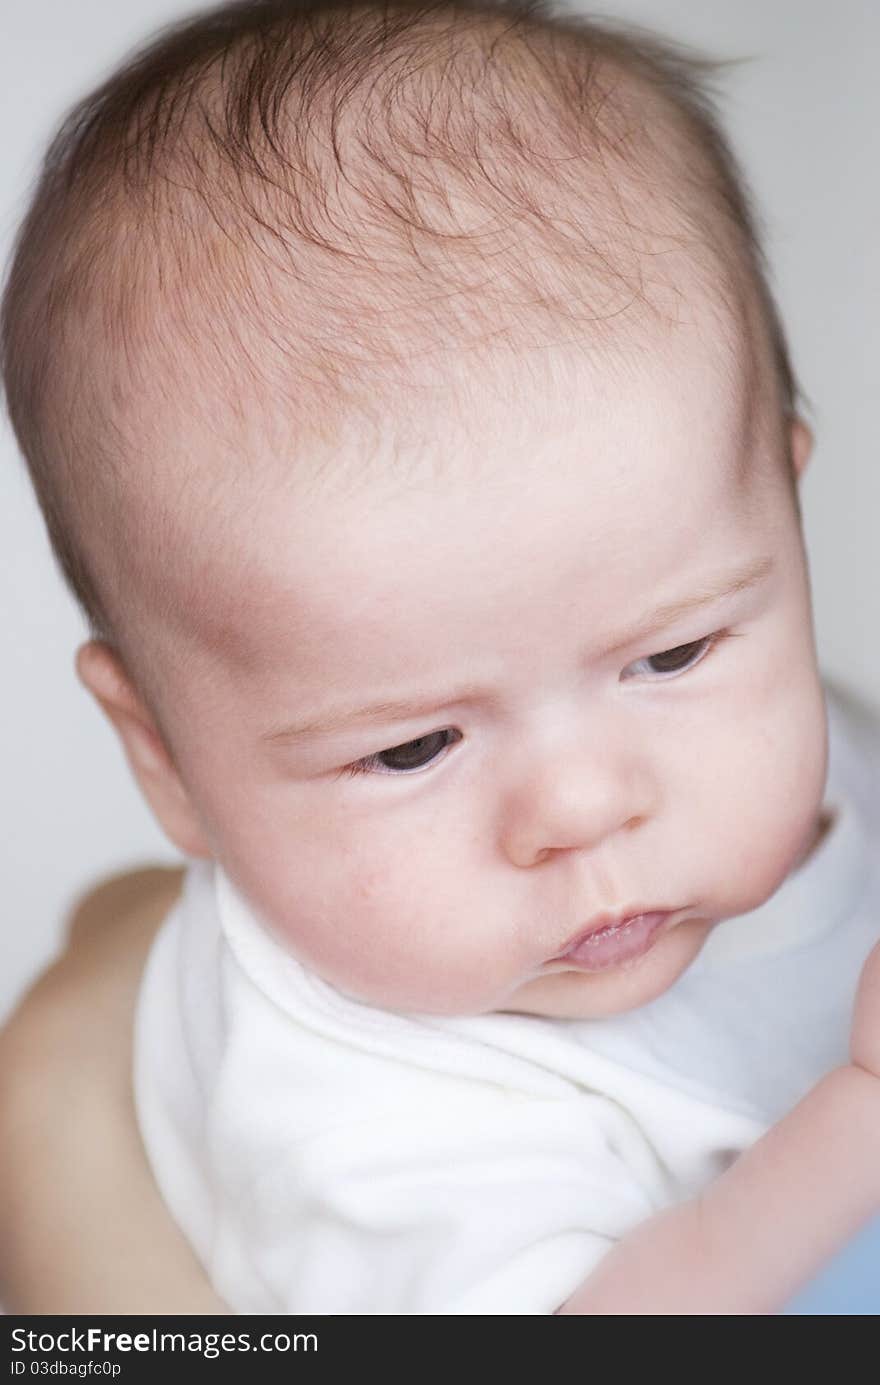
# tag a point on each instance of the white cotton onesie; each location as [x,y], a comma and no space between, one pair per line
[324,1156]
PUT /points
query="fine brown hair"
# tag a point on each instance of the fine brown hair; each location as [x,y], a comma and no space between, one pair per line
[177,196]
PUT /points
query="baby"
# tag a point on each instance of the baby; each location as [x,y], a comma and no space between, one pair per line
[406,401]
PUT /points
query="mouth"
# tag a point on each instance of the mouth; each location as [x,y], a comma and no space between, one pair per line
[613,939]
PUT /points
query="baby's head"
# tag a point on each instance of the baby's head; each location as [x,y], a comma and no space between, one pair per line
[412,421]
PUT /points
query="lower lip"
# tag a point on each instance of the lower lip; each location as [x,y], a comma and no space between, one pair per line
[611,947]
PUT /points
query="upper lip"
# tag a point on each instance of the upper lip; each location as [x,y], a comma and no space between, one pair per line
[610,920]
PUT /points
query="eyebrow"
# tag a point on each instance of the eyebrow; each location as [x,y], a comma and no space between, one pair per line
[336,719]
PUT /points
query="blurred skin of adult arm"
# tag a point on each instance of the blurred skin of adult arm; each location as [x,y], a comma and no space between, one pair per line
[82,1226]
[83,1229]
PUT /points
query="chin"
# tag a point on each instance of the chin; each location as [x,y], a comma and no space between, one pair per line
[580,995]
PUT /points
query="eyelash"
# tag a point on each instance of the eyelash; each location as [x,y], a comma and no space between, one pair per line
[370,764]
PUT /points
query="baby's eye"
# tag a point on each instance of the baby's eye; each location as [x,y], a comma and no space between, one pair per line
[411,756]
[408,757]
[682,657]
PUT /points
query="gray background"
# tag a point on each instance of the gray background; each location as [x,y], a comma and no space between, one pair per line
[803,115]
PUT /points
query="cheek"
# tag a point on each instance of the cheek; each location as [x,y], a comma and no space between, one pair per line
[775,775]
[371,919]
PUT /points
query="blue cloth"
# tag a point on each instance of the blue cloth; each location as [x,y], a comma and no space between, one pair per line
[849,1286]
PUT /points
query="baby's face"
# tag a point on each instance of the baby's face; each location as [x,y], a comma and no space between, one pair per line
[502,730]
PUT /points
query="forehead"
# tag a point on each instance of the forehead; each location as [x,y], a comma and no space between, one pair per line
[583,474]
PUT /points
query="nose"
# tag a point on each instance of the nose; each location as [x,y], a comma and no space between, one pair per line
[573,799]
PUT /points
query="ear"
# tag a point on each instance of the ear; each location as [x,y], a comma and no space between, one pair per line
[100,671]
[801,445]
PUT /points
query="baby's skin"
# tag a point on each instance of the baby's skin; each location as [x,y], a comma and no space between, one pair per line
[82,1228]
[641,634]
[502,632]
[757,1234]
[512,636]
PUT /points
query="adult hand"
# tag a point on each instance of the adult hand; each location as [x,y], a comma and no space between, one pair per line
[82,1226]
